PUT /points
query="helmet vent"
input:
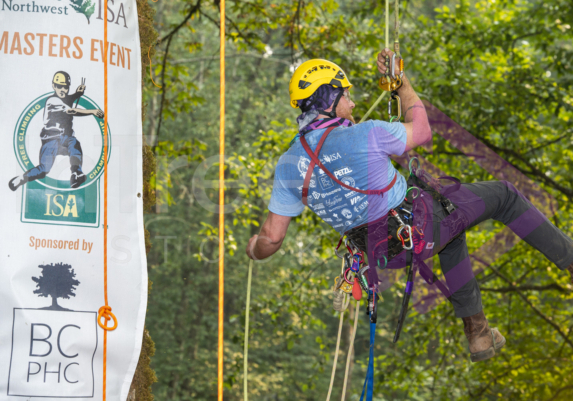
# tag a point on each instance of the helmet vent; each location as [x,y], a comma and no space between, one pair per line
[303,84]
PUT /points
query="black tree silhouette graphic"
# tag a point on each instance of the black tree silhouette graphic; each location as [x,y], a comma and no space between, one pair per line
[56,281]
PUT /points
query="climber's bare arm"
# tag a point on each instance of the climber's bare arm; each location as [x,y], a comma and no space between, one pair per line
[270,238]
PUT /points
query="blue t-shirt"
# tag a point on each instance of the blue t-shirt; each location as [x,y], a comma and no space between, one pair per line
[359,157]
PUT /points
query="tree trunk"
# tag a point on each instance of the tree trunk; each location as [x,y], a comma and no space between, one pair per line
[145,376]
[55,303]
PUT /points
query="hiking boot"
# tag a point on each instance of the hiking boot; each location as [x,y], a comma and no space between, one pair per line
[483,341]
[77,179]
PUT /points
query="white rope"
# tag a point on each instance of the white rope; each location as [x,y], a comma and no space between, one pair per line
[345,303]
[350,350]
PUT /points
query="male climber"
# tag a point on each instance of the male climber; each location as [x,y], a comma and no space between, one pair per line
[58,136]
[357,158]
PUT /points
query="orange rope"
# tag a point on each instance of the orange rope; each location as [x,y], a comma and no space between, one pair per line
[105,311]
[221,204]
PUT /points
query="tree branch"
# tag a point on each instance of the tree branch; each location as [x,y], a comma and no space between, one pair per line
[553,286]
[192,11]
[537,311]
[534,171]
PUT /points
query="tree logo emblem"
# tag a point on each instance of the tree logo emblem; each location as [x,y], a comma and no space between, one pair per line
[56,281]
[85,7]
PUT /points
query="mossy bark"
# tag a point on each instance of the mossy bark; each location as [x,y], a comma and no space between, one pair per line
[144,377]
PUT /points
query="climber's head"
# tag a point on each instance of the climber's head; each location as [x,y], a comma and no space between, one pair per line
[321,87]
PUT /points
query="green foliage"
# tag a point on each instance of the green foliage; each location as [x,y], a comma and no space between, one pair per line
[85,7]
[500,69]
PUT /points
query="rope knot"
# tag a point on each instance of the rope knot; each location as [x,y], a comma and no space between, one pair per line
[105,312]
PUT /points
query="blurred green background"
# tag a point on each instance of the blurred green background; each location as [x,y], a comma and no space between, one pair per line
[501,69]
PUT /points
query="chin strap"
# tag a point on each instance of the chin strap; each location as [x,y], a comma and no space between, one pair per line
[332,113]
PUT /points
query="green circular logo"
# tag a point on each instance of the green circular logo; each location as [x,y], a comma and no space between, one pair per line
[35,110]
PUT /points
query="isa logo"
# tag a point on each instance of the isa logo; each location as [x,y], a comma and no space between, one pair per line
[59,144]
[53,348]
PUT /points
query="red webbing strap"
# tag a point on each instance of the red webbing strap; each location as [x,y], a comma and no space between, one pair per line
[315,161]
[312,162]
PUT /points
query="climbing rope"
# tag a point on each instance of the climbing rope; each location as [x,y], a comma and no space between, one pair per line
[350,350]
[105,311]
[246,347]
[343,307]
[220,348]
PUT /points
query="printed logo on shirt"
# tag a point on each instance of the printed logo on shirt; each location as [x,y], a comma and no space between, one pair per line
[333,201]
[303,164]
[347,223]
[338,225]
[330,193]
[360,208]
[312,182]
[342,172]
[346,213]
[316,195]
[336,216]
[331,158]
[328,220]
[325,182]
[321,213]
[355,200]
[318,207]
[348,181]
[336,208]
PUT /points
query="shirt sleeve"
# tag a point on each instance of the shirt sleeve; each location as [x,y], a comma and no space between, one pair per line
[284,199]
[390,137]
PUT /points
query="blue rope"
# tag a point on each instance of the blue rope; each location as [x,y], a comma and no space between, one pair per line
[369,381]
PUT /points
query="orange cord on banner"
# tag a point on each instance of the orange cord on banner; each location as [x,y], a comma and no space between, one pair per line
[105,311]
[221,203]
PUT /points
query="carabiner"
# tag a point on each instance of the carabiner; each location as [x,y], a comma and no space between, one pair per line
[409,229]
[394,96]
[336,249]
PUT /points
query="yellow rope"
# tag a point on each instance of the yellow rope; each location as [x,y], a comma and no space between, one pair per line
[220,347]
[387,24]
[376,103]
[246,348]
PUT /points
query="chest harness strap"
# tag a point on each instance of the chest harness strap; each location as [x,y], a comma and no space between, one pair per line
[315,161]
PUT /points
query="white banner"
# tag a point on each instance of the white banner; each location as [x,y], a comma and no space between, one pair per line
[51,183]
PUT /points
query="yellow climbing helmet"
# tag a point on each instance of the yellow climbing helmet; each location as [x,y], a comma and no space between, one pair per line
[62,78]
[313,73]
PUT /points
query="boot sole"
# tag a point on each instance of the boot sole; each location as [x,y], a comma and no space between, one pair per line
[482,355]
[490,352]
